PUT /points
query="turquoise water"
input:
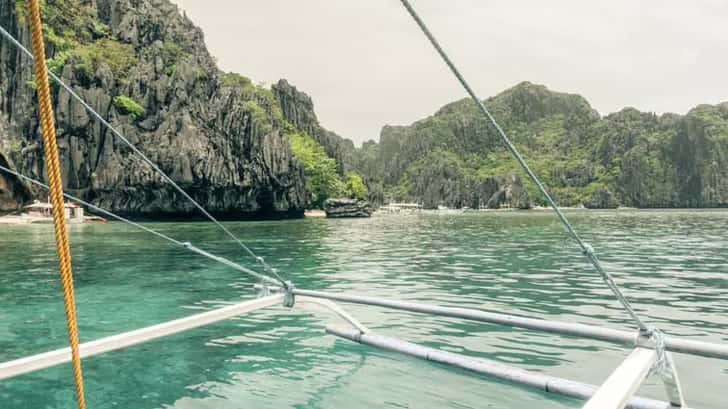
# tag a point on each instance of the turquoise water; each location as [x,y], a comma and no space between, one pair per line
[673,265]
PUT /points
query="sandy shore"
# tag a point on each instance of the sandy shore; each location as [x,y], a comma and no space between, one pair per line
[315,213]
[25,219]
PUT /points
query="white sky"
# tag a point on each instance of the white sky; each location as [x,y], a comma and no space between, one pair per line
[365,63]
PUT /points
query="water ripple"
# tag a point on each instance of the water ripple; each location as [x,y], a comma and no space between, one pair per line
[672,265]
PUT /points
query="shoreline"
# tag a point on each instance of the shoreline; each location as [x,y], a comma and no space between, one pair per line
[15,220]
[549,209]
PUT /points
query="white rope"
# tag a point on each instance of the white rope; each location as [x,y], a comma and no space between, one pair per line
[662,364]
[144,158]
[587,250]
[336,309]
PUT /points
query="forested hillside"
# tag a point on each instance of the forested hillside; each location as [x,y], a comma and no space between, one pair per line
[627,158]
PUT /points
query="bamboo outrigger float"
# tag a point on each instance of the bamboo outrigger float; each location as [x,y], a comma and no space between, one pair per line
[651,353]
[616,392]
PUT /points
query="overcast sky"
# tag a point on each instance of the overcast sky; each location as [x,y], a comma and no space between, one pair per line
[365,64]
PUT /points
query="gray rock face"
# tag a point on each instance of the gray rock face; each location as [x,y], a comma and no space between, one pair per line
[12,193]
[222,143]
[347,208]
[602,199]
[510,193]
[298,109]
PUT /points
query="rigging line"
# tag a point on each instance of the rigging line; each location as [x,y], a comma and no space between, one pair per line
[587,249]
[55,189]
[187,245]
[144,158]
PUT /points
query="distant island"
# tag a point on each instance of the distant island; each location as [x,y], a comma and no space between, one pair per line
[246,150]
[628,158]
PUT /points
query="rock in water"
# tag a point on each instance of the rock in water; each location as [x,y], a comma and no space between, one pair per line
[347,208]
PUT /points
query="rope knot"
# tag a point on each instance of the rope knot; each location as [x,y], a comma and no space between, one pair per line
[289,299]
[654,338]
[588,250]
[662,364]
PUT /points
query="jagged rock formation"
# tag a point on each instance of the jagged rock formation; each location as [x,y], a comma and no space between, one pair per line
[298,109]
[628,158]
[143,66]
[337,208]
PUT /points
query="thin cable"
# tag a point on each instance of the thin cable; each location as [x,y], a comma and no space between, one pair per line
[587,250]
[144,158]
[55,188]
[186,245]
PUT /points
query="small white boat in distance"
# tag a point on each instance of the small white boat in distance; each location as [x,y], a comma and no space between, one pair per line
[400,207]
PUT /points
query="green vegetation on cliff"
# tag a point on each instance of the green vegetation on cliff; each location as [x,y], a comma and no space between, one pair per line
[76,34]
[354,185]
[627,158]
[233,79]
[143,65]
[128,106]
[322,180]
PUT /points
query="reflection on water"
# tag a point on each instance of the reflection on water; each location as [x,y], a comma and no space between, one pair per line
[672,264]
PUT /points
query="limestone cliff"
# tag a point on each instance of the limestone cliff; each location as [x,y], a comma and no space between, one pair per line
[298,109]
[628,158]
[144,67]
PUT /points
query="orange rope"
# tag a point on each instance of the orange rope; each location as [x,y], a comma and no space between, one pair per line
[50,150]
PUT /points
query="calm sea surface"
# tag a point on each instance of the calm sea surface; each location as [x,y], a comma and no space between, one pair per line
[672,264]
